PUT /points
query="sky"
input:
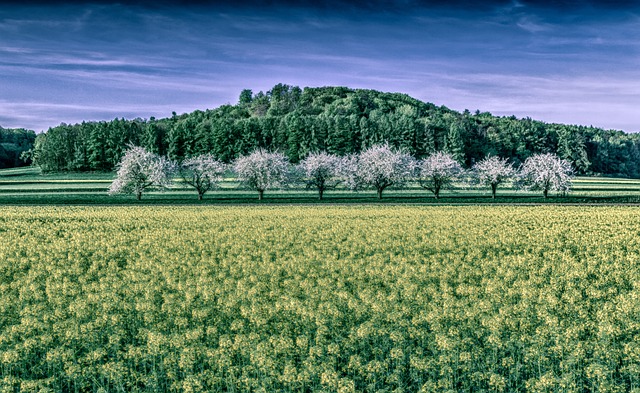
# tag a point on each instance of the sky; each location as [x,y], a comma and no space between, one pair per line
[575,62]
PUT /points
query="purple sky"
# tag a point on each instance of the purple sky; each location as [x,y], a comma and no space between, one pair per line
[572,62]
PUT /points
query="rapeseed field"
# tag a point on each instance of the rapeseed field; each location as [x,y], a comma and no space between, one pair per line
[320,299]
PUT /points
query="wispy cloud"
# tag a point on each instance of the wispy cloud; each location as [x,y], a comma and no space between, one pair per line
[559,98]
[43,115]
[532,25]
[15,50]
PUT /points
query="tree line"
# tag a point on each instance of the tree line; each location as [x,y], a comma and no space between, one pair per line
[377,167]
[340,121]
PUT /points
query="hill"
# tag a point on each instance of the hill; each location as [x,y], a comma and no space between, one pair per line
[339,120]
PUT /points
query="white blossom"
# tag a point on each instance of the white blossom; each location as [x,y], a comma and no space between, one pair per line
[379,167]
[492,171]
[546,172]
[321,171]
[437,172]
[202,172]
[140,169]
[262,170]
[349,172]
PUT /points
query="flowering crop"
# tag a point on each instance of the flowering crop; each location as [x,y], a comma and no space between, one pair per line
[319,299]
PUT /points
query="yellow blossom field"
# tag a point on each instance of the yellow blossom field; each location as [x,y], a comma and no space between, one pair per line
[320,299]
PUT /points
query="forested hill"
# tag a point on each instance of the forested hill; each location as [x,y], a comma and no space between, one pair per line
[339,120]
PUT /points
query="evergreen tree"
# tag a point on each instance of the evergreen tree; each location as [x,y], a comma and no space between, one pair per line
[572,147]
[454,143]
[427,142]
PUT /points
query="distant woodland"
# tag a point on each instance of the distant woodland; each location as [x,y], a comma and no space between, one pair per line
[338,120]
[13,142]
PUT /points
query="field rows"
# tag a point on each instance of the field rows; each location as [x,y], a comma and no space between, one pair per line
[234,189]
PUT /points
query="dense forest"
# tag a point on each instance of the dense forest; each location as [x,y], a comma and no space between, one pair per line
[13,142]
[339,120]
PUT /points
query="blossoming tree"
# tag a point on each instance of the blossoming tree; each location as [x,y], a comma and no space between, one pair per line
[202,172]
[546,172]
[262,170]
[139,170]
[492,171]
[379,167]
[321,171]
[437,172]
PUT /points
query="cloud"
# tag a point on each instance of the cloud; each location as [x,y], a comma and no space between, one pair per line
[497,55]
[49,58]
[15,50]
[532,25]
[42,115]
[606,102]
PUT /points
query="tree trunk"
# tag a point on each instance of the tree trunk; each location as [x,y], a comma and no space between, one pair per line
[260,194]
[436,193]
[138,195]
[380,193]
[493,190]
[199,196]
[545,192]
[320,193]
